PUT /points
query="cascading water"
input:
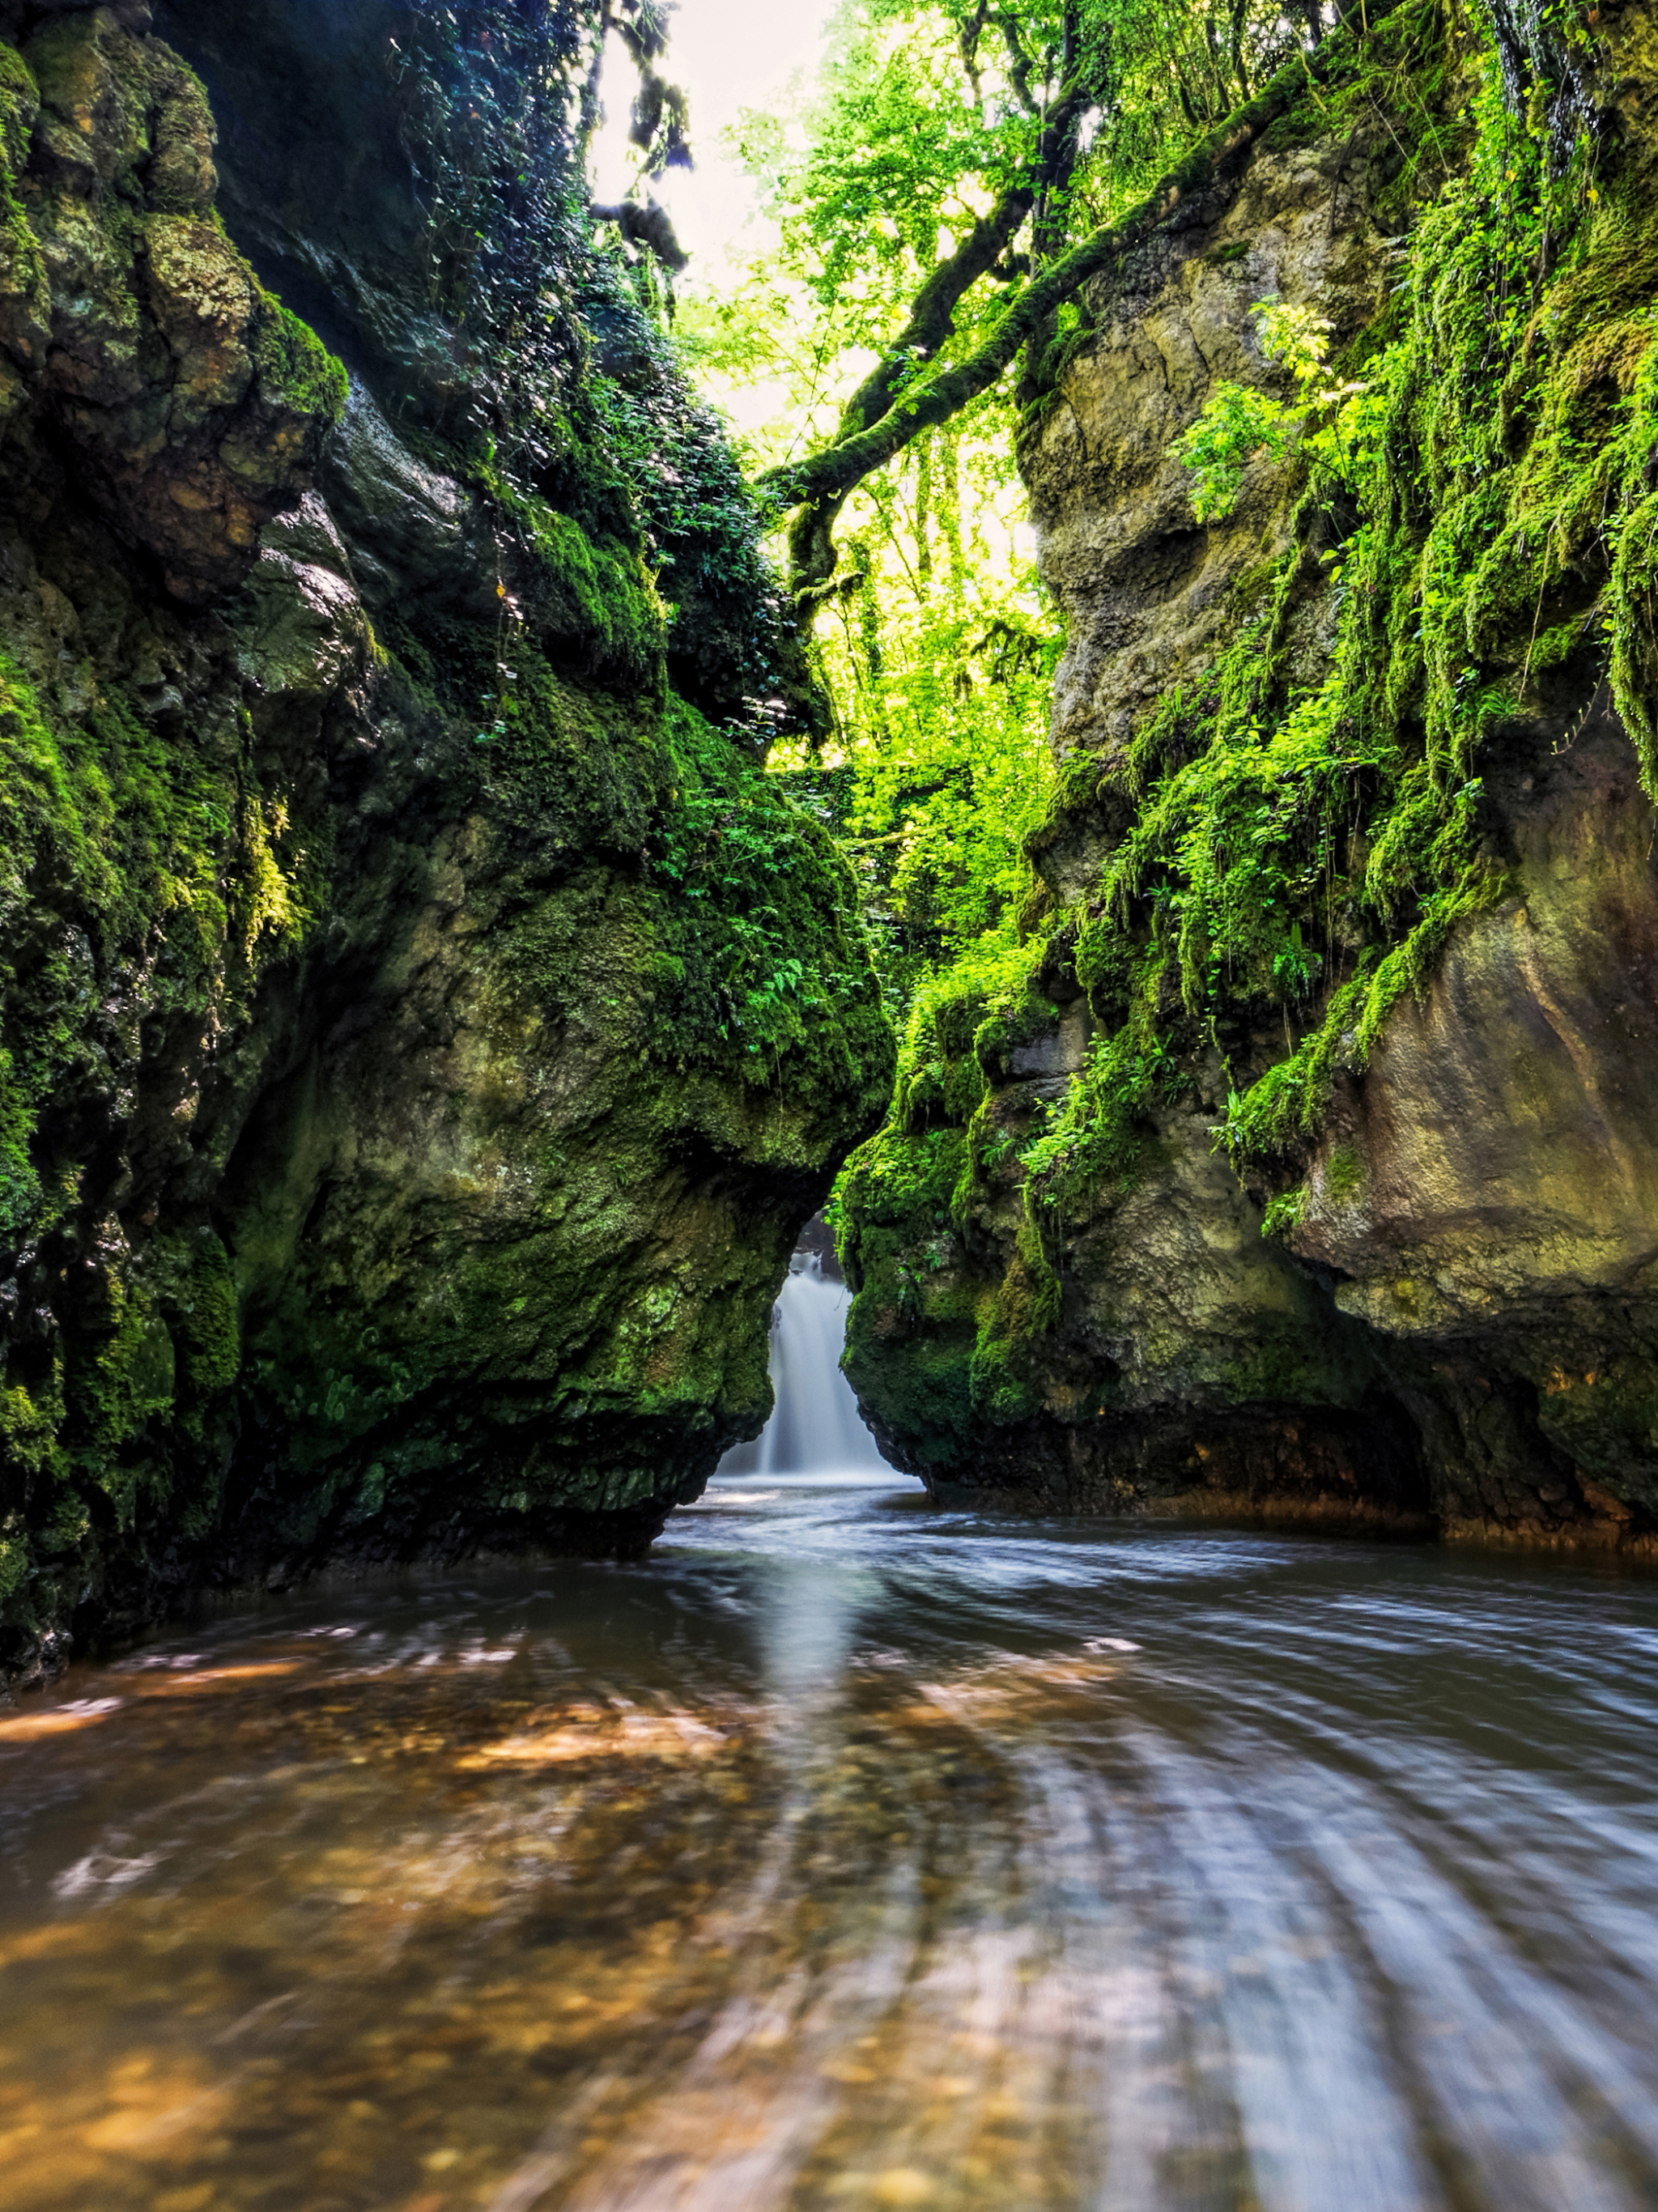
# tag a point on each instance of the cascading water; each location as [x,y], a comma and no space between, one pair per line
[815,1427]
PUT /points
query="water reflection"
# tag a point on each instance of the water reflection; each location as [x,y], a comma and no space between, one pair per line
[845,1853]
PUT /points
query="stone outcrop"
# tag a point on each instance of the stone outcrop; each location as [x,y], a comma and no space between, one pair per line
[1452,1322]
[424,1032]
[195,403]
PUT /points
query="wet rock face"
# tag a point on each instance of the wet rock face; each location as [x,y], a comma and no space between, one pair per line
[1147,593]
[401,1137]
[1485,1201]
[194,404]
[1462,1330]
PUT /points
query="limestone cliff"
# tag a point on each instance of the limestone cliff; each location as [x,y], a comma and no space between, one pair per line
[424,1029]
[1315,1171]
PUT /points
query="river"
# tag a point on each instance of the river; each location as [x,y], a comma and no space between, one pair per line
[848,1853]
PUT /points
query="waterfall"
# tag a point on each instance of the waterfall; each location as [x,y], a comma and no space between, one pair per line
[815,1427]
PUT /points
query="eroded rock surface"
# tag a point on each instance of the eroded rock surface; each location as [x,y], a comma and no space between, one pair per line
[1456,1324]
[407,1110]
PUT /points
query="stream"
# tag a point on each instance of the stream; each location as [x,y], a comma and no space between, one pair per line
[844,1853]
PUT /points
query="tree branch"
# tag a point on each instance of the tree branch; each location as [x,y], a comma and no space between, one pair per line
[881,419]
[932,312]
[1018,62]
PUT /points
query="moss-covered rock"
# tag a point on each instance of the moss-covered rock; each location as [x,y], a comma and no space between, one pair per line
[422,1033]
[1348,907]
[197,405]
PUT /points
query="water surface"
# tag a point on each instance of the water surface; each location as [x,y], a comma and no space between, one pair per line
[845,1853]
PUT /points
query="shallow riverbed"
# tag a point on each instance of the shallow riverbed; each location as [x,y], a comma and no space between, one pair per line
[847,1853]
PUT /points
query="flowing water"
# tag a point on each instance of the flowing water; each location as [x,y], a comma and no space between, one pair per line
[815,1426]
[848,1853]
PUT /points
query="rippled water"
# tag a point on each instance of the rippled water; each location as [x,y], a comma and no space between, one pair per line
[845,1853]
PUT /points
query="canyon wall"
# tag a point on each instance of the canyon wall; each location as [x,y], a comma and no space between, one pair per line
[425,1029]
[1313,1172]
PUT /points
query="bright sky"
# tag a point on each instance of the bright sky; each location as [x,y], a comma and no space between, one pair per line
[728,55]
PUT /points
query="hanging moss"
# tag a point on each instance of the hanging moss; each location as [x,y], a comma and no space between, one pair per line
[760,971]
[25,295]
[1474,527]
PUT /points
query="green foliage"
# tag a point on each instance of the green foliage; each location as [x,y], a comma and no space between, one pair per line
[729,634]
[1240,423]
[1237,425]
[1096,1144]
[950,774]
[890,148]
[19,103]
[1303,824]
[932,118]
[928,109]
[52,822]
[569,401]
[495,101]
[1312,851]
[1283,1212]
[760,970]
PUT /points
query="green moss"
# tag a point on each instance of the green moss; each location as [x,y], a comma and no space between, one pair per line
[914,1330]
[1305,835]
[22,271]
[1310,852]
[1343,1174]
[24,291]
[209,1326]
[1003,1388]
[759,932]
[1095,1148]
[594,588]
[55,817]
[666,1025]
[295,369]
[29,1423]
[124,854]
[129,1381]
[1405,69]
[19,103]
[699,957]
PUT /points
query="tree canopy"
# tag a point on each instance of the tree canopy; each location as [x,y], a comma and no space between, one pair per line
[966,170]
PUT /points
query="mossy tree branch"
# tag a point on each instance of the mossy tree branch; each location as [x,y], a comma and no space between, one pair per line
[894,405]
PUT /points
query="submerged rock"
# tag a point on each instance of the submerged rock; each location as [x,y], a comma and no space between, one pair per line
[424,1032]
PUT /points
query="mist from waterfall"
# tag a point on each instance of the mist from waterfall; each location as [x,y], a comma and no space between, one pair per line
[815,1427]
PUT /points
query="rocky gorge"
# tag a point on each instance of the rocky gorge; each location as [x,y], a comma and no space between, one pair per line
[1309,1171]
[426,1026]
